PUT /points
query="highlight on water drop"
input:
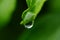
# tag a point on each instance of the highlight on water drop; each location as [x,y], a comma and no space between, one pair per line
[29,25]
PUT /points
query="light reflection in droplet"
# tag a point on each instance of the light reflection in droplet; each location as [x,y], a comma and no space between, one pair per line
[29,25]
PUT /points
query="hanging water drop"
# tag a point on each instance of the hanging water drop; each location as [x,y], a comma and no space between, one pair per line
[29,25]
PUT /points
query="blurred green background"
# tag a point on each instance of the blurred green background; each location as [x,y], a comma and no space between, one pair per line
[46,26]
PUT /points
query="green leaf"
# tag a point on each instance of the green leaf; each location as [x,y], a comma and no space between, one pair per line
[34,7]
[29,2]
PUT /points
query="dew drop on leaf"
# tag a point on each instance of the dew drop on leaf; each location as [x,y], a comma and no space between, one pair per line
[29,25]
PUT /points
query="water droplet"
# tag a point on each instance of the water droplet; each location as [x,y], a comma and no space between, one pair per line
[29,25]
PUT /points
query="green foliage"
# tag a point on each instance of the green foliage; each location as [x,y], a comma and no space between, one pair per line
[34,6]
[6,9]
[46,26]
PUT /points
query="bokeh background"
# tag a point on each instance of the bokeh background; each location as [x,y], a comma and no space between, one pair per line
[46,26]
